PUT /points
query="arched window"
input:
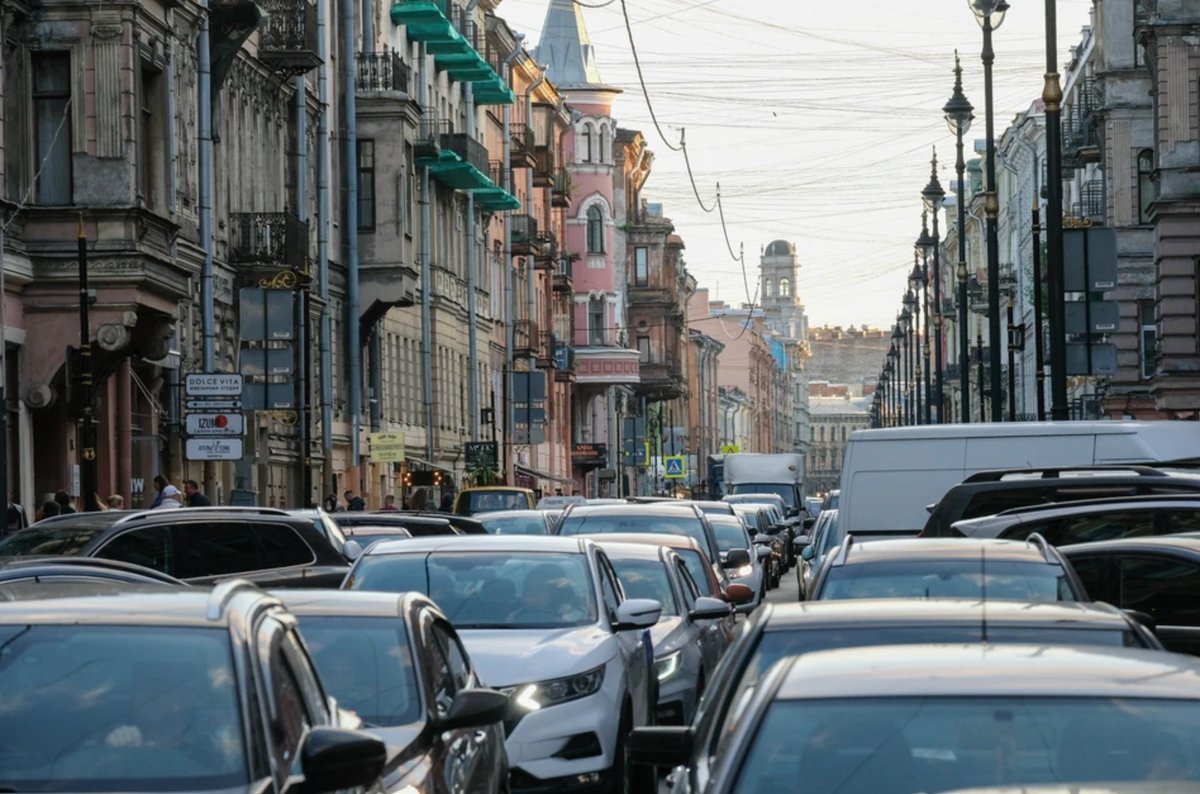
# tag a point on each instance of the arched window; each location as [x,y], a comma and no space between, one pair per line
[785,288]
[602,155]
[1145,166]
[595,230]
[586,152]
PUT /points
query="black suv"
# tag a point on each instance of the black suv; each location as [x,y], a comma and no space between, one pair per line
[987,493]
[199,545]
[169,690]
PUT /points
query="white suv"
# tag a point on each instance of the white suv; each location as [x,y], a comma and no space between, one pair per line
[544,619]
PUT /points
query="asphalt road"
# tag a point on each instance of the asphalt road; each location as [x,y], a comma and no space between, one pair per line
[788,590]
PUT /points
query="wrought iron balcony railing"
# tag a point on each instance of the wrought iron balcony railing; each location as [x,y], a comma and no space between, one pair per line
[381,71]
[267,238]
[287,41]
[524,234]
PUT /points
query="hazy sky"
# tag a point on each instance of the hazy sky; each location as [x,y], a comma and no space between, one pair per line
[817,118]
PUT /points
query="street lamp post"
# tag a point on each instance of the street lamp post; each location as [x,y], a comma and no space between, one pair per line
[1052,98]
[990,15]
[912,304]
[933,196]
[898,381]
[906,339]
[958,112]
[919,285]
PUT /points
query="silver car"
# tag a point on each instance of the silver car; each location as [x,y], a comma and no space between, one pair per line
[687,641]
[732,534]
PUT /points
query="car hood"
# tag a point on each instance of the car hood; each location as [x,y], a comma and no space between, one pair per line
[504,657]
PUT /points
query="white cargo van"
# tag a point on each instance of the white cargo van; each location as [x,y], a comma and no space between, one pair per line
[890,476]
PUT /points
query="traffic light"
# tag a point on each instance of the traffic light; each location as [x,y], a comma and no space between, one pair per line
[408,479]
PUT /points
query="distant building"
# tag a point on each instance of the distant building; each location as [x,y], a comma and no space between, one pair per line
[847,355]
[834,418]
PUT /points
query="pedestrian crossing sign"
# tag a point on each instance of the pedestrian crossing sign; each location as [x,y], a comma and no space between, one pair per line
[676,467]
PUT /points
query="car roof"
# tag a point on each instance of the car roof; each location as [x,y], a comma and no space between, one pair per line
[569,544]
[1186,541]
[343,603]
[1098,505]
[535,513]
[618,550]
[645,539]
[944,549]
[876,612]
[982,670]
[152,605]
[496,488]
[646,509]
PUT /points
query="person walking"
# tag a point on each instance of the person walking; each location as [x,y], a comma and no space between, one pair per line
[160,484]
[389,504]
[64,502]
[193,497]
[171,499]
[115,502]
[331,504]
[17,517]
[354,503]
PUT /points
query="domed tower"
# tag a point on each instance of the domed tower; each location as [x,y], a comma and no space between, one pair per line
[778,289]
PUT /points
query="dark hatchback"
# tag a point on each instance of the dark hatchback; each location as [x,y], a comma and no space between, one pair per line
[398,663]
[197,545]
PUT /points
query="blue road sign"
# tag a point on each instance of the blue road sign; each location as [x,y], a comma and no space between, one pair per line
[675,466]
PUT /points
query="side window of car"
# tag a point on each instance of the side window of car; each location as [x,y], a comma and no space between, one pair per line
[1166,588]
[289,714]
[1096,573]
[216,548]
[1089,527]
[282,547]
[149,547]
[690,591]
[437,668]
[456,657]
[610,591]
[1183,521]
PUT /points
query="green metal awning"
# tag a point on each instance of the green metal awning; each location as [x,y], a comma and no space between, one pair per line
[426,21]
[454,172]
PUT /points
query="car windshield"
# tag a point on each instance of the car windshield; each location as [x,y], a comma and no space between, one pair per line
[646,579]
[1004,580]
[515,525]
[48,540]
[908,744]
[483,501]
[118,708]
[477,590]
[783,490]
[680,522]
[730,535]
[366,664]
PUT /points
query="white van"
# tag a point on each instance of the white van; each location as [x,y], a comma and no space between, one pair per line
[890,476]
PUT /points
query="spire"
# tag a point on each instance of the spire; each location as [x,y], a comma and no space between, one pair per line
[566,48]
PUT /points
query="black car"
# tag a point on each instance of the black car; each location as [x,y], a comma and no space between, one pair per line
[1158,576]
[186,690]
[778,631]
[418,526]
[199,545]
[989,492]
[398,663]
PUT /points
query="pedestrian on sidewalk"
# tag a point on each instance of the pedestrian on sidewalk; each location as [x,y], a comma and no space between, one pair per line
[331,504]
[64,502]
[115,502]
[160,484]
[171,499]
[193,497]
[354,503]
[17,517]
[389,504]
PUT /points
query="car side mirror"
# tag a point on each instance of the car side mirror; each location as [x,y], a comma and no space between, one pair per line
[809,521]
[736,558]
[736,593]
[352,550]
[662,746]
[475,708]
[707,608]
[637,613]
[764,552]
[762,538]
[801,542]
[807,553]
[333,759]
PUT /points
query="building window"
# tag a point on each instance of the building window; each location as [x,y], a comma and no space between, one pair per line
[595,230]
[52,127]
[151,134]
[1149,338]
[641,266]
[785,288]
[596,334]
[587,144]
[643,346]
[602,155]
[1145,167]
[366,185]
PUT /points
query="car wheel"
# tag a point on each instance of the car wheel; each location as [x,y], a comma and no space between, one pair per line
[620,773]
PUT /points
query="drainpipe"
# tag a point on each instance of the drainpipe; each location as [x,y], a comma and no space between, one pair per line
[204,157]
[324,332]
[533,461]
[472,264]
[426,274]
[353,343]
[172,144]
[302,355]
[509,304]
[368,25]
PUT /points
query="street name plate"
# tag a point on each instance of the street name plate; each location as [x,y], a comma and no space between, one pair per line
[214,405]
[216,424]
[214,449]
[213,384]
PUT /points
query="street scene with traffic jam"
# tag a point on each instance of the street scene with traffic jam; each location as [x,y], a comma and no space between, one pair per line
[546,396]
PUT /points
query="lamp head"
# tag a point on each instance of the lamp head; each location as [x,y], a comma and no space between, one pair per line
[909,301]
[933,194]
[989,12]
[957,109]
[925,243]
[916,279]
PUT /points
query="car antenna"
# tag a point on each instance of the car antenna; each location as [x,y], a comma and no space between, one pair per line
[983,593]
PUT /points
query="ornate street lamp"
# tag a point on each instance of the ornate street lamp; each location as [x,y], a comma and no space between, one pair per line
[905,322]
[933,196]
[958,117]
[912,305]
[990,15]
[1052,99]
[898,370]
[919,284]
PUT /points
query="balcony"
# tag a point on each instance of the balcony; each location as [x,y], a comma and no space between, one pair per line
[564,365]
[428,143]
[661,382]
[650,295]
[546,251]
[560,188]
[546,358]
[455,42]
[561,280]
[1091,204]
[521,149]
[460,162]
[267,238]
[524,235]
[543,167]
[287,42]
[525,339]
[381,71]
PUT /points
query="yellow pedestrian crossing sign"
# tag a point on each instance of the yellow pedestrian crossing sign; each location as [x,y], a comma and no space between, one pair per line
[676,467]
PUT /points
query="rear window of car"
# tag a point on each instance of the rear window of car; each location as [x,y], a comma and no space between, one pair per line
[685,524]
[471,502]
[1088,527]
[999,579]
[49,540]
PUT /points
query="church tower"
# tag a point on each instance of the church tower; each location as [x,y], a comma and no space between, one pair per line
[779,291]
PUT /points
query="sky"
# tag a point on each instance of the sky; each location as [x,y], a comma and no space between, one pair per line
[816,118]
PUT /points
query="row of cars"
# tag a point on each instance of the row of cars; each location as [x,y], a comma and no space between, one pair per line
[258,650]
[1022,642]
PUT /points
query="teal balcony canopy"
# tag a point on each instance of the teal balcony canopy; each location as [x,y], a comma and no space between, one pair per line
[455,46]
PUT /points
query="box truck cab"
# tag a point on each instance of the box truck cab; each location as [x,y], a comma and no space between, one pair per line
[891,476]
[782,474]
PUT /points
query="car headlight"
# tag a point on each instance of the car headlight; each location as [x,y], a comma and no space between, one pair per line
[667,666]
[410,789]
[744,571]
[532,697]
